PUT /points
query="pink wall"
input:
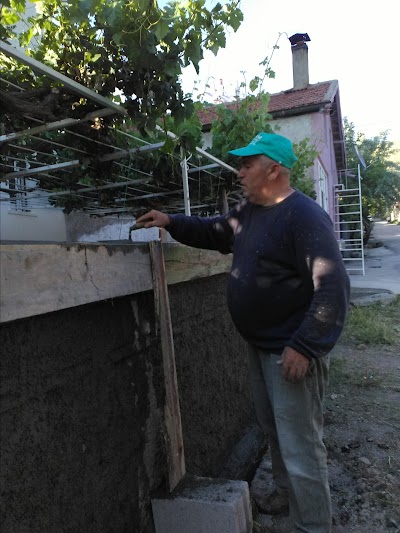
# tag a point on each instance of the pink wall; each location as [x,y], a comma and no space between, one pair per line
[317,127]
[322,135]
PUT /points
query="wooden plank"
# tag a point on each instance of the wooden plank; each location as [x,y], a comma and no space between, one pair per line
[172,413]
[38,279]
[184,263]
[42,278]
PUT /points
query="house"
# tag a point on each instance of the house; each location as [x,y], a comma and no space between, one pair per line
[306,111]
[36,221]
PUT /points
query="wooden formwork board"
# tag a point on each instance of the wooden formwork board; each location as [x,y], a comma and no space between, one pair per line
[42,278]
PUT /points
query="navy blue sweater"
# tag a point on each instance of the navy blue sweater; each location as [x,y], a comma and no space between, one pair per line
[287,285]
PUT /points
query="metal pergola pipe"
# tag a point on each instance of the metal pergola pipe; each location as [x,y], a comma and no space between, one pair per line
[185,181]
[59,124]
[41,165]
[74,86]
[39,170]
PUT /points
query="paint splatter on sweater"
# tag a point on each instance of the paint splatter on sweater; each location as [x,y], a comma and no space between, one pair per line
[288,285]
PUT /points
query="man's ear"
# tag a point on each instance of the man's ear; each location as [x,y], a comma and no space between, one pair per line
[274,172]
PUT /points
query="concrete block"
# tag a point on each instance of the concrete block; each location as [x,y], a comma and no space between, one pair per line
[204,505]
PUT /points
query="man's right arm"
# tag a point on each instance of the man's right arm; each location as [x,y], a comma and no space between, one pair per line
[154,219]
[208,233]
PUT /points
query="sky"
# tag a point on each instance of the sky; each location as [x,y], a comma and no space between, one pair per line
[351,41]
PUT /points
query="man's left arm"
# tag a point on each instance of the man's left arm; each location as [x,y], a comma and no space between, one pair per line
[294,364]
[321,266]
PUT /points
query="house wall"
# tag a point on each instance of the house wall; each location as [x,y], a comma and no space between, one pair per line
[47,224]
[316,127]
[324,138]
[82,393]
[295,128]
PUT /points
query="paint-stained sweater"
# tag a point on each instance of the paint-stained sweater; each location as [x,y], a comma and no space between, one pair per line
[287,285]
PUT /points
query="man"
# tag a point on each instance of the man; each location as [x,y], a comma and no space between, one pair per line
[288,295]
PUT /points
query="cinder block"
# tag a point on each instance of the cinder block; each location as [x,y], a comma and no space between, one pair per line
[204,505]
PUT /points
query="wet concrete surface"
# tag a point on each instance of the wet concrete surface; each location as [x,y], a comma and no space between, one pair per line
[82,399]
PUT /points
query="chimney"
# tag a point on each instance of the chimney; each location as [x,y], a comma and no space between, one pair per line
[300,60]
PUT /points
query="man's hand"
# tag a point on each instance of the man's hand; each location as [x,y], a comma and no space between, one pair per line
[154,219]
[294,365]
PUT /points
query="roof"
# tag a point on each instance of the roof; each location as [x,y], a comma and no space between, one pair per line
[300,100]
[313,95]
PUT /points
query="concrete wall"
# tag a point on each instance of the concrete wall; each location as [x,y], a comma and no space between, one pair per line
[81,227]
[82,446]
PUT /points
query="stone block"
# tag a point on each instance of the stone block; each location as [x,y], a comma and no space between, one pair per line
[204,505]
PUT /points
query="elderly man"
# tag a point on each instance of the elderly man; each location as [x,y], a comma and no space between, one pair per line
[288,295]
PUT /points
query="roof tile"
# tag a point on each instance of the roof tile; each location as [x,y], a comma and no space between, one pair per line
[293,98]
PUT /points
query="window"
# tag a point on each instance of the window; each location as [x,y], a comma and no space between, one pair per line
[323,196]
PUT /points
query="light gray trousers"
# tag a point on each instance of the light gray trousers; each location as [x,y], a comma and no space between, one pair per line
[291,414]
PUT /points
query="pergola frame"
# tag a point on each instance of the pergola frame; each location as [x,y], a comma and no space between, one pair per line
[108,108]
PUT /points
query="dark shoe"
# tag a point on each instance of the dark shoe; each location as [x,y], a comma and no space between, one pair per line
[274,503]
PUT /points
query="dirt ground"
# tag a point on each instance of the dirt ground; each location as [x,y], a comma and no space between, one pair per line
[362,436]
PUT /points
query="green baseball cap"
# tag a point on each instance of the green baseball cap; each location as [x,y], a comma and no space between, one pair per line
[274,146]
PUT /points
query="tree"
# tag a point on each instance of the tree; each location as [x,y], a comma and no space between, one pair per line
[380,184]
[237,123]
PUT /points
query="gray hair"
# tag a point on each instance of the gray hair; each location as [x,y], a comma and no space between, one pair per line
[268,161]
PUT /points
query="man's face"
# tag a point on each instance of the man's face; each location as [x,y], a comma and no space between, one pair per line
[253,174]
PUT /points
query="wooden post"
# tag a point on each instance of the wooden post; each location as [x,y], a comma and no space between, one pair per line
[172,413]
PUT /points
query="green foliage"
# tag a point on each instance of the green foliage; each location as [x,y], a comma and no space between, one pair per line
[134,51]
[299,176]
[130,51]
[130,47]
[188,131]
[236,124]
[380,184]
